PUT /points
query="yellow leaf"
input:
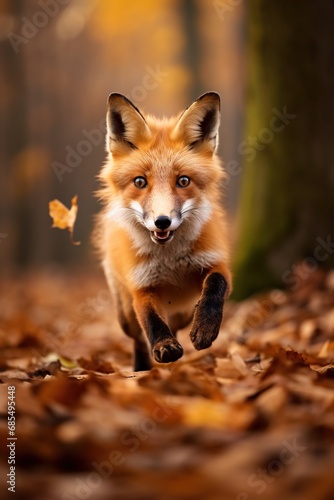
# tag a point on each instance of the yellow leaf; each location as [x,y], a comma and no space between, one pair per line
[64,218]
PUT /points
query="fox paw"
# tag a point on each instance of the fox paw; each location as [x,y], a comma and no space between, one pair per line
[205,328]
[202,338]
[167,350]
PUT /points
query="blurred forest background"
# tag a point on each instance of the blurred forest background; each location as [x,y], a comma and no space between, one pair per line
[54,90]
[272,65]
[253,416]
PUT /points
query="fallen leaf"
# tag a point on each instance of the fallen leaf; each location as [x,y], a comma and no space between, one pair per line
[226,369]
[60,389]
[273,400]
[239,364]
[64,218]
[325,369]
[96,364]
[201,412]
[43,371]
[256,410]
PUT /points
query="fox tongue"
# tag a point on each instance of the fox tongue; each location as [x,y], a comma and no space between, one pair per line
[161,235]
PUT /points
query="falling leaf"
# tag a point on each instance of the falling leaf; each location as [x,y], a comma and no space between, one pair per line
[64,218]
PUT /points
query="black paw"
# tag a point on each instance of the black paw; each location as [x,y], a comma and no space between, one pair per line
[209,312]
[202,336]
[206,325]
[167,350]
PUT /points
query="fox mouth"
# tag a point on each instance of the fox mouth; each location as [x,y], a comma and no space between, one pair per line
[161,237]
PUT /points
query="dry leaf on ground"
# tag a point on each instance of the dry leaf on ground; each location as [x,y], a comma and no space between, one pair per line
[252,417]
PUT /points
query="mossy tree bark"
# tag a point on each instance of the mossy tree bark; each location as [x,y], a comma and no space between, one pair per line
[287,198]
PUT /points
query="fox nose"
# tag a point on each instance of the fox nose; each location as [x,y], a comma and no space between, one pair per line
[162,222]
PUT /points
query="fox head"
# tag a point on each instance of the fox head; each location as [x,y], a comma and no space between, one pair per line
[162,177]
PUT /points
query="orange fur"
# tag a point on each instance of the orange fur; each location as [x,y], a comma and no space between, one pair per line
[157,275]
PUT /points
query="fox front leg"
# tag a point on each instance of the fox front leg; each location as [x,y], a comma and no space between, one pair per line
[164,345]
[209,310]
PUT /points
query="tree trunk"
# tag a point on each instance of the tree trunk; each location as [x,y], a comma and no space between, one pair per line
[14,140]
[287,199]
[192,50]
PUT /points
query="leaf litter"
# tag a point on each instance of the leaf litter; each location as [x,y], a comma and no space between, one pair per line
[252,417]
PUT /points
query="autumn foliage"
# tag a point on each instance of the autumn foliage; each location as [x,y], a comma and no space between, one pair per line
[252,417]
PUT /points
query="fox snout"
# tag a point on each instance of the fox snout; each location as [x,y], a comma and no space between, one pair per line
[162,228]
[163,222]
[162,235]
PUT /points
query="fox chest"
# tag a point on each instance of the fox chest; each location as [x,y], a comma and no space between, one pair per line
[179,270]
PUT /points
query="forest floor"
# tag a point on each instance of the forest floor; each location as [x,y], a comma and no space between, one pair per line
[250,418]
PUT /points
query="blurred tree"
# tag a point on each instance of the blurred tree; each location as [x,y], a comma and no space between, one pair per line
[13,85]
[287,199]
[192,51]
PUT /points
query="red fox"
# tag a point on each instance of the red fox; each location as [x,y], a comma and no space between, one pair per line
[162,234]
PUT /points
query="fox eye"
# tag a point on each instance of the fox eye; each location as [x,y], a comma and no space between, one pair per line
[183,181]
[140,182]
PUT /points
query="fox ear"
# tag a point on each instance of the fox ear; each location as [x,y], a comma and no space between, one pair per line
[199,123]
[126,126]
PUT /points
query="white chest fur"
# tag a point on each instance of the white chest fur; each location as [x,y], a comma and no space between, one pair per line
[168,267]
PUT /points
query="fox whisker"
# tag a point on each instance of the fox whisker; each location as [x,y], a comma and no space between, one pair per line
[196,213]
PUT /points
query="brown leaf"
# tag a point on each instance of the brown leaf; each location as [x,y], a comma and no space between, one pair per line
[262,400]
[283,362]
[326,369]
[239,363]
[64,218]
[184,380]
[61,390]
[47,369]
[202,412]
[272,400]
[97,364]
[226,369]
